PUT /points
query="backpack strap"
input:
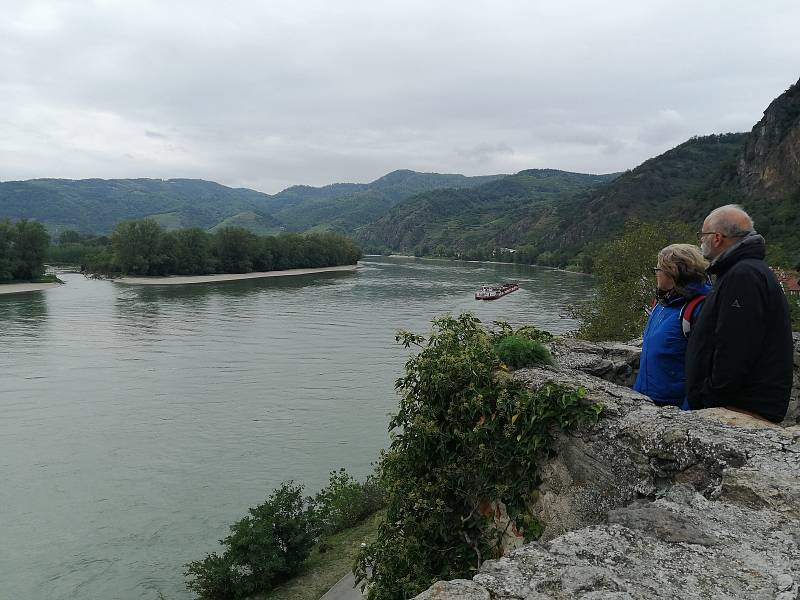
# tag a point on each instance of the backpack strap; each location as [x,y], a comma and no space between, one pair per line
[688,313]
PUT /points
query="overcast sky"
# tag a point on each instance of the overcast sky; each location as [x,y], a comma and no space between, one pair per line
[266,94]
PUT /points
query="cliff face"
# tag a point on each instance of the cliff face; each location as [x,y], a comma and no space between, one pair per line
[653,503]
[769,166]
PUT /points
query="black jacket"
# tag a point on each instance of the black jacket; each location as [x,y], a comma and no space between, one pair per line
[740,350]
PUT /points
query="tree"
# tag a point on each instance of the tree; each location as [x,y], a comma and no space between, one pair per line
[29,248]
[7,238]
[625,282]
[69,236]
[192,252]
[136,245]
[235,249]
[462,439]
[263,549]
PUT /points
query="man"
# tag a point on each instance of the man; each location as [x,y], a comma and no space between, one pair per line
[740,351]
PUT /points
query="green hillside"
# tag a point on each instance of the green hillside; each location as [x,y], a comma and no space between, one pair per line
[556,218]
[344,207]
[255,222]
[668,187]
[97,205]
[460,222]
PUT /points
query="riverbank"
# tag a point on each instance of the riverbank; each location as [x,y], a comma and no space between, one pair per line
[19,288]
[189,279]
[323,570]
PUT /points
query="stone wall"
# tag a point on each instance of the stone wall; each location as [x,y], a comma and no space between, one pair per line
[653,503]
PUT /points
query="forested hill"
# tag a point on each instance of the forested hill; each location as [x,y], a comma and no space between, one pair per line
[565,225]
[468,223]
[668,187]
[345,206]
[97,205]
[759,170]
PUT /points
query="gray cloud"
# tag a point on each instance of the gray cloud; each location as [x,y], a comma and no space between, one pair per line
[272,94]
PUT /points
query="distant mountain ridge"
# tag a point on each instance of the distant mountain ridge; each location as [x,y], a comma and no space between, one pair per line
[344,207]
[456,222]
[759,169]
[545,216]
[98,205]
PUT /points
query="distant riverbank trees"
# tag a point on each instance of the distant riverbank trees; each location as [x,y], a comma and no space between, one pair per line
[144,248]
[23,247]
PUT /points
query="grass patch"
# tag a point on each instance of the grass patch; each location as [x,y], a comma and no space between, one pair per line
[323,569]
[518,352]
[48,278]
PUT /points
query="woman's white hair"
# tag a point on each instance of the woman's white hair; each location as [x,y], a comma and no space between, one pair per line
[684,263]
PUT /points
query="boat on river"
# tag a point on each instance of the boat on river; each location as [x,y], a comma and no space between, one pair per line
[493,292]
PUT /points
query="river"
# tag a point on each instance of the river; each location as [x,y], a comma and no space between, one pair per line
[137,423]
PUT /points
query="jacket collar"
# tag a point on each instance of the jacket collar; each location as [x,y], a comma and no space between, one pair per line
[751,246]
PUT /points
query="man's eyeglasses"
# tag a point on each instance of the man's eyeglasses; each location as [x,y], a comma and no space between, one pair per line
[700,234]
[657,269]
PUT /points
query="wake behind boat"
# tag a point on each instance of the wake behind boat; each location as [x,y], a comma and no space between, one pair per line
[488,292]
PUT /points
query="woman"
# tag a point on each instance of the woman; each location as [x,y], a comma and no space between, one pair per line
[680,278]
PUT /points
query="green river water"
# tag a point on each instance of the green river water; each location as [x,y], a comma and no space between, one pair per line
[137,423]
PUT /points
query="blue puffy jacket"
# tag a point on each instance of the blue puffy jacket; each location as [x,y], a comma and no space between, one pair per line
[662,371]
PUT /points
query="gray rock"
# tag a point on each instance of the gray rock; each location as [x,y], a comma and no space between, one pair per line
[458,589]
[655,503]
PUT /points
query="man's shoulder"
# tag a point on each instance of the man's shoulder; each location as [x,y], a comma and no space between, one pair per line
[749,267]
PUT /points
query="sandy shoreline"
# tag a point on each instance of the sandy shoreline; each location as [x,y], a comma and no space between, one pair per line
[18,288]
[183,280]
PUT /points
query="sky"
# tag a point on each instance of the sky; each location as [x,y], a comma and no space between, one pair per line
[270,93]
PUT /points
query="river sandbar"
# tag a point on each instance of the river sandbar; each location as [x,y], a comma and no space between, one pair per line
[184,280]
[18,288]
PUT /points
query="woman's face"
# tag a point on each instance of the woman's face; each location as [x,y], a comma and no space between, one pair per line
[664,281]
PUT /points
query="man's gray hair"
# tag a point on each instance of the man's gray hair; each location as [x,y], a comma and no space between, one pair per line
[731,220]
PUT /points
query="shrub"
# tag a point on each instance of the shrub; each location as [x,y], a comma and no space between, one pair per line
[517,352]
[345,502]
[263,549]
[462,437]
[213,578]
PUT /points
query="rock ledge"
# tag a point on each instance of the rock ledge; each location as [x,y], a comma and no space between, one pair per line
[653,503]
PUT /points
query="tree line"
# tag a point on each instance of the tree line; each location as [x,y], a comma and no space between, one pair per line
[144,248]
[23,247]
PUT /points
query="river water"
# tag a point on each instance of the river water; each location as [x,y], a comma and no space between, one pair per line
[137,423]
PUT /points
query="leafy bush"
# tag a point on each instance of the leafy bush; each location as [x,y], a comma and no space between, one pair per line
[462,438]
[262,550]
[346,502]
[517,352]
[272,543]
[625,282]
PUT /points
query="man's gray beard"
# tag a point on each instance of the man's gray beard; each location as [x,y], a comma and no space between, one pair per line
[705,252]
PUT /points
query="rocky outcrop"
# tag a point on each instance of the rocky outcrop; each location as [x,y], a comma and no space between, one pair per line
[769,166]
[653,503]
[619,363]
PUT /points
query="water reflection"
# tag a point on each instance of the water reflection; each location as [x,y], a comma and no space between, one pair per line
[227,289]
[151,312]
[22,314]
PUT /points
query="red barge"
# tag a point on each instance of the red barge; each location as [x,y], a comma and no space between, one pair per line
[488,292]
